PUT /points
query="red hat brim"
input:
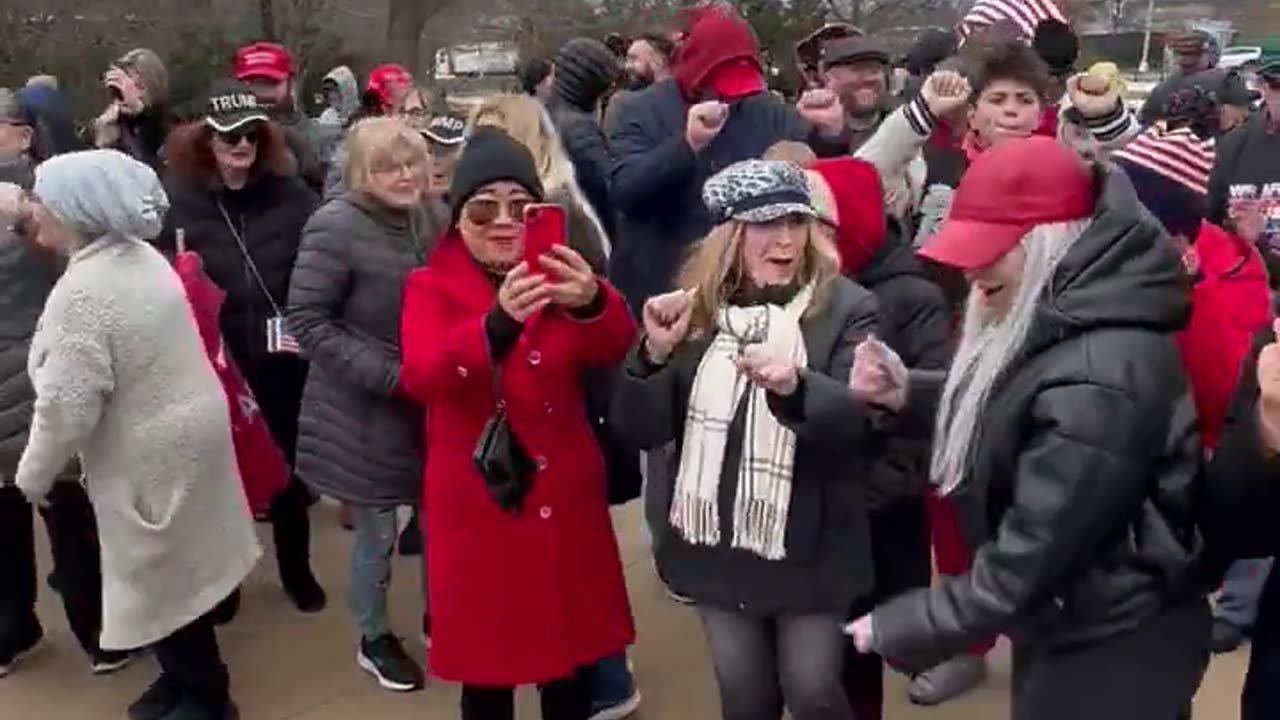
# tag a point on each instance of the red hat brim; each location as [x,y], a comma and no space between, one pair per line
[972,244]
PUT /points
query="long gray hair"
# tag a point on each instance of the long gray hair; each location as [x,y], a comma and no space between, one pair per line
[987,346]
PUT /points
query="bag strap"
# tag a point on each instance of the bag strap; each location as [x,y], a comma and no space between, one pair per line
[244,252]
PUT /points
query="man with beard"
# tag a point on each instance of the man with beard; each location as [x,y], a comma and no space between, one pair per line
[648,61]
[267,68]
[856,68]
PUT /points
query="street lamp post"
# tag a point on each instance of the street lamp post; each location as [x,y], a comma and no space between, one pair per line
[1145,64]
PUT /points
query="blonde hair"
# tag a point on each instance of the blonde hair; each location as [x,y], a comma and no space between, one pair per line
[376,139]
[525,119]
[714,270]
[790,151]
[150,72]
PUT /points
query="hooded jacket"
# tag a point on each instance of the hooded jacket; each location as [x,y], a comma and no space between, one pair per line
[1084,472]
[348,97]
[585,70]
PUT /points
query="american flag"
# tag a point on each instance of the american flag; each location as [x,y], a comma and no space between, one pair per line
[1025,14]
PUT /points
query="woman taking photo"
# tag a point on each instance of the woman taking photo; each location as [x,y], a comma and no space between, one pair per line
[526,582]
[745,369]
[242,208]
[360,440]
[1066,436]
[122,380]
[525,119]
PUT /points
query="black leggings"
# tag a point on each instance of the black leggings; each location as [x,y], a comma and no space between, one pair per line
[566,699]
[191,664]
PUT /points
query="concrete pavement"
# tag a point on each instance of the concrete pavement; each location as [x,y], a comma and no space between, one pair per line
[287,666]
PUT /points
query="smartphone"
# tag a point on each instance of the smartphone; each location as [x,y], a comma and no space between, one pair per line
[545,225]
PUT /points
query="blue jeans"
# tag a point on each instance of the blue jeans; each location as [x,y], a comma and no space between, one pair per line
[1241,589]
[376,530]
[612,682]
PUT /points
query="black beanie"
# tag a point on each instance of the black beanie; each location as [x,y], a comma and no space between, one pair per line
[489,156]
[1057,45]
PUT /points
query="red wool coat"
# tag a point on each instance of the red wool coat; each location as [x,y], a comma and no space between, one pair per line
[514,599]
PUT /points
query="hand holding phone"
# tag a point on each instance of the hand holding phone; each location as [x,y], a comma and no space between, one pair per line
[545,226]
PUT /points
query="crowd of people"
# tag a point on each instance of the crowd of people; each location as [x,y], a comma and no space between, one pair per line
[962,310]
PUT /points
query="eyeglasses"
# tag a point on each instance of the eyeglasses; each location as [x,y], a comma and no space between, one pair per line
[235,136]
[482,212]
[406,167]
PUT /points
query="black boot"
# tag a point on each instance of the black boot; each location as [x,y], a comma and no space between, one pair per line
[291,528]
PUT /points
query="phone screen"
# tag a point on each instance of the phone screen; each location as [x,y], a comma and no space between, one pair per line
[544,227]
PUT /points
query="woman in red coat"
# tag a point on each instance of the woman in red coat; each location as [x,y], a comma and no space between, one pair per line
[526,583]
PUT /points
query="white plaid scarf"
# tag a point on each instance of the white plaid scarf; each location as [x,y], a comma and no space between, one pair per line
[763,499]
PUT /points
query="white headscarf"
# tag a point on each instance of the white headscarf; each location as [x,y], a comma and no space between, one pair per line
[103,193]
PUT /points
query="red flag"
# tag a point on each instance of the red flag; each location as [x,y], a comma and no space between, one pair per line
[263,468]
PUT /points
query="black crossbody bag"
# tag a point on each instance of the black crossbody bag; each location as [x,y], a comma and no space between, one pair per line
[500,458]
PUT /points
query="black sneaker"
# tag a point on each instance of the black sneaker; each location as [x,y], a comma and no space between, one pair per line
[27,642]
[156,701]
[385,659]
[106,662]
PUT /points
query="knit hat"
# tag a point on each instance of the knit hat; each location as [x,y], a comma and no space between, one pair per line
[1179,155]
[757,191]
[931,48]
[1169,170]
[103,192]
[1057,45]
[585,70]
[489,156]
[857,207]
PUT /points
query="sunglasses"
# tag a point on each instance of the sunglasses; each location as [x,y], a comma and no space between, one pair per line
[235,136]
[483,212]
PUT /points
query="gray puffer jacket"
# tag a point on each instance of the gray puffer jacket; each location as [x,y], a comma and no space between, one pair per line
[27,274]
[359,440]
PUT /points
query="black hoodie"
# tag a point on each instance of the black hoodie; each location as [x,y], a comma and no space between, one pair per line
[1080,490]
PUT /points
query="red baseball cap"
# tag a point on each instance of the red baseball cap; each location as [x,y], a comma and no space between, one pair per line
[263,59]
[735,79]
[382,77]
[1007,191]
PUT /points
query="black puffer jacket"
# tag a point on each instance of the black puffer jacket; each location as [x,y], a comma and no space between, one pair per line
[359,440]
[269,214]
[915,321]
[1081,489]
[27,274]
[585,69]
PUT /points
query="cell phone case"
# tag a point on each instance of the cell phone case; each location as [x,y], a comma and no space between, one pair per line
[545,225]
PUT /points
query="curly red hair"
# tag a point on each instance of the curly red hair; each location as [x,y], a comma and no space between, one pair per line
[189,154]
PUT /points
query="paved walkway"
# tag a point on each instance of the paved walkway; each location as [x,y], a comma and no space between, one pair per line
[289,666]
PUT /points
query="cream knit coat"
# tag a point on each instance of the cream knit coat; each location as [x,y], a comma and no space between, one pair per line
[122,379]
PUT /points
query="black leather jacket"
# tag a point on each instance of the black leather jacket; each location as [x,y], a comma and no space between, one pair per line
[1080,495]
